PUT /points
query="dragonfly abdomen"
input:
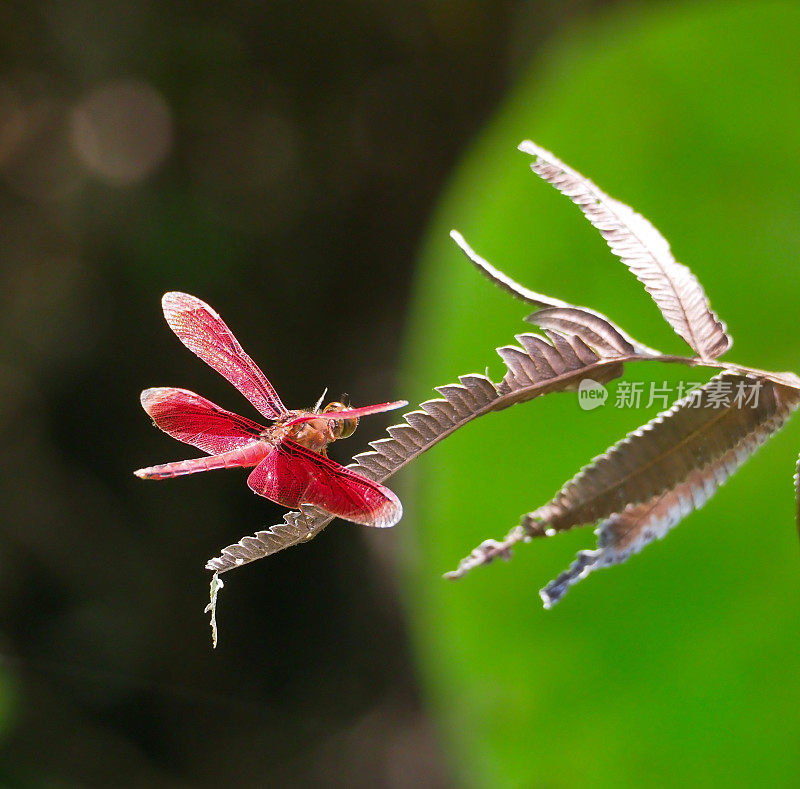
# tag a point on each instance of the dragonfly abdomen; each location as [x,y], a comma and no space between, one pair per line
[242,457]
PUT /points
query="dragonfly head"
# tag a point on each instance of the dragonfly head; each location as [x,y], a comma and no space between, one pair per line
[341,428]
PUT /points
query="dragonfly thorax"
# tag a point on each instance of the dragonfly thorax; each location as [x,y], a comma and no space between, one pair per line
[315,434]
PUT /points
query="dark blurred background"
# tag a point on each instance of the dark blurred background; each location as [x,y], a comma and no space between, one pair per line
[298,166]
[279,160]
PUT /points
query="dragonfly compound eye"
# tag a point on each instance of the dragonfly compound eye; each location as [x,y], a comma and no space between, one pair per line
[342,428]
[346,427]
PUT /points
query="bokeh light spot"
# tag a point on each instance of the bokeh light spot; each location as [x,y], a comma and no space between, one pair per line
[122,131]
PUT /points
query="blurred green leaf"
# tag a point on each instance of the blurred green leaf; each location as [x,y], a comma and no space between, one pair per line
[681,666]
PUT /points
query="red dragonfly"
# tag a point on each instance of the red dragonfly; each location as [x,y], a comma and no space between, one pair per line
[289,455]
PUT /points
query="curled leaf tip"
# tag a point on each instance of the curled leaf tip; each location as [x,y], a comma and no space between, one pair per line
[216,584]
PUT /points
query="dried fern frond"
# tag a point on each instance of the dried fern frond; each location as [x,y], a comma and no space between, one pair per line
[297,527]
[627,532]
[557,362]
[503,280]
[645,484]
[694,433]
[634,240]
[553,313]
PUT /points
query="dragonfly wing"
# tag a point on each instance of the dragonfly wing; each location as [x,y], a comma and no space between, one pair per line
[350,413]
[292,475]
[194,420]
[205,334]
